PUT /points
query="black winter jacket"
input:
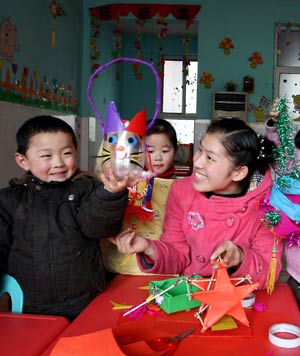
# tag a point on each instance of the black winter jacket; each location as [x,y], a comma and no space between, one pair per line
[49,240]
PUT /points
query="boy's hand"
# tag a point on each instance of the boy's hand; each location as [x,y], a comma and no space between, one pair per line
[129,242]
[115,184]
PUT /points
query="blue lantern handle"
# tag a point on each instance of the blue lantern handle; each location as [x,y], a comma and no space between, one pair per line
[135,60]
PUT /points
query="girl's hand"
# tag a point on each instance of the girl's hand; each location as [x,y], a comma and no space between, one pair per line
[231,254]
[273,113]
[129,242]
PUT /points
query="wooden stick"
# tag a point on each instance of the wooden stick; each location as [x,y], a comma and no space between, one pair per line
[149,299]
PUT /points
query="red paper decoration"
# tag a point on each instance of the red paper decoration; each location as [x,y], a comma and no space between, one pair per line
[145,11]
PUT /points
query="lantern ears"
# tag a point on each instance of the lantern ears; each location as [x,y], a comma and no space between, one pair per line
[114,122]
[138,123]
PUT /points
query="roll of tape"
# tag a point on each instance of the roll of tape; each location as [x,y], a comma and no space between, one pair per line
[248,301]
[284,328]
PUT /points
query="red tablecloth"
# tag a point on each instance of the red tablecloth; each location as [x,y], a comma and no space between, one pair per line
[280,307]
[26,334]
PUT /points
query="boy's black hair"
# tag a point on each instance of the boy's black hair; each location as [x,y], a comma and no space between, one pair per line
[41,124]
[297,140]
[243,145]
[162,126]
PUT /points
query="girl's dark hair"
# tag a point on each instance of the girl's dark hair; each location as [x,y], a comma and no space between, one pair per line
[162,126]
[243,145]
[40,124]
[297,140]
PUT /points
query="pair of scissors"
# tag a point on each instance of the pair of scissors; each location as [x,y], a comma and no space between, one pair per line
[168,344]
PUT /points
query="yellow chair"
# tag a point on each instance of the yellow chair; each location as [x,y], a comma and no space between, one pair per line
[9,285]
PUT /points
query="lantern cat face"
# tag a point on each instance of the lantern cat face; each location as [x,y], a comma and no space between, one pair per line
[125,151]
[123,144]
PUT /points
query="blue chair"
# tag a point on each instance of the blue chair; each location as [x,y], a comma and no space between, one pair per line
[9,285]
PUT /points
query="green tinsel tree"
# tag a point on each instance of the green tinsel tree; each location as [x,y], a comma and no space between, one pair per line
[284,153]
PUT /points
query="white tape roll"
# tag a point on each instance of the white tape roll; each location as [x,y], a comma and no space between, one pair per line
[248,301]
[284,328]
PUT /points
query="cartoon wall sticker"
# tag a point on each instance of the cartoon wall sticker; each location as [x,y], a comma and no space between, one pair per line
[296,103]
[255,59]
[259,114]
[260,110]
[8,40]
[226,44]
[206,79]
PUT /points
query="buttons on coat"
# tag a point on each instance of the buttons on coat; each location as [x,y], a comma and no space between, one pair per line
[229,222]
[71,197]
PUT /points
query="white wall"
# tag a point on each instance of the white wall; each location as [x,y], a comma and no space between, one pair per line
[12,117]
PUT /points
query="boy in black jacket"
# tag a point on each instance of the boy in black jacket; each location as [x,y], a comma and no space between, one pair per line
[51,221]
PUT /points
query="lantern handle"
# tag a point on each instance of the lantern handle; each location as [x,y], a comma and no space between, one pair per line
[135,60]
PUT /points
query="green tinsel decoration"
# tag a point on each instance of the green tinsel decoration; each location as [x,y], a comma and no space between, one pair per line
[283,182]
[284,153]
[271,218]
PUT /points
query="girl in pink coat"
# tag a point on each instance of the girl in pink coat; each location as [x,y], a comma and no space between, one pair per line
[215,211]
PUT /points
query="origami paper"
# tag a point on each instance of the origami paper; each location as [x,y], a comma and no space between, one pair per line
[88,345]
[118,306]
[226,323]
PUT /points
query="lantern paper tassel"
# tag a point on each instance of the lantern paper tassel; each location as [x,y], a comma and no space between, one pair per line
[272,270]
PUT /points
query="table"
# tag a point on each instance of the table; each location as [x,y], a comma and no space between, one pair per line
[280,307]
[27,334]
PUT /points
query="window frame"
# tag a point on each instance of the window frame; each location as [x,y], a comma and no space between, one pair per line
[183,115]
[278,70]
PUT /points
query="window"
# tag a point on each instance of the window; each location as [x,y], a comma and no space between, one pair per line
[179,91]
[287,67]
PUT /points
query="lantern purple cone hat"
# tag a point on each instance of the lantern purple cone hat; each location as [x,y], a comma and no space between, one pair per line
[113,120]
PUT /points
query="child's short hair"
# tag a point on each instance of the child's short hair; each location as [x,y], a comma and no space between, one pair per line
[162,126]
[41,124]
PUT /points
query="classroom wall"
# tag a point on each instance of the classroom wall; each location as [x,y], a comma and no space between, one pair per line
[12,116]
[49,47]
[45,60]
[250,25]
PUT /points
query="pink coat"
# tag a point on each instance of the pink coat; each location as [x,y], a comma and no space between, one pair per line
[195,226]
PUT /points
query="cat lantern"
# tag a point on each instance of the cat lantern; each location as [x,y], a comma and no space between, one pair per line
[123,143]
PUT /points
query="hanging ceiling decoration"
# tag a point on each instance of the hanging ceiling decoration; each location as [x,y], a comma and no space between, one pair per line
[145,11]
[142,12]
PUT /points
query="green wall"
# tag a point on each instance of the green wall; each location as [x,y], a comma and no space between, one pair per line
[250,25]
[35,24]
